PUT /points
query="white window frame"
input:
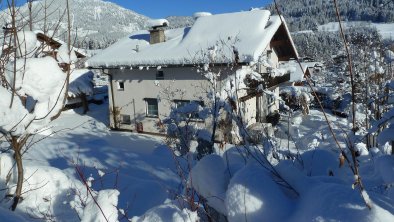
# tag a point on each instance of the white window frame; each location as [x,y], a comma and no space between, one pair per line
[120,85]
[147,112]
[125,119]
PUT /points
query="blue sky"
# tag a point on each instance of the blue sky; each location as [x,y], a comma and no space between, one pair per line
[164,8]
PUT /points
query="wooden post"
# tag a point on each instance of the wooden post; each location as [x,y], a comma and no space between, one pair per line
[16,146]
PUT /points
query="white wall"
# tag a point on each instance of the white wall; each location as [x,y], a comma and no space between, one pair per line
[141,84]
[180,83]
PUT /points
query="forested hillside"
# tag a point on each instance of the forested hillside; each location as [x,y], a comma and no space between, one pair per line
[304,17]
[308,14]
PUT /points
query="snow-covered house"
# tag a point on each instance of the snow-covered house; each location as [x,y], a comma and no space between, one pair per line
[147,66]
[301,72]
[80,88]
[52,46]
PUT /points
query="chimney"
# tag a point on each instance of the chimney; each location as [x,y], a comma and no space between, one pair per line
[201,14]
[157,31]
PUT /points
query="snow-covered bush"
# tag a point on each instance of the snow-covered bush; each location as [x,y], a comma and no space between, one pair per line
[102,207]
[252,195]
[167,213]
[33,92]
[181,126]
[210,178]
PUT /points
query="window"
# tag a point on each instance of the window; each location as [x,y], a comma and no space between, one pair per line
[269,70]
[152,108]
[270,100]
[182,103]
[120,85]
[159,75]
[125,119]
[269,53]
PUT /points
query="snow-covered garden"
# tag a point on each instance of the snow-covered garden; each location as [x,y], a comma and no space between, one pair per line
[134,176]
[67,165]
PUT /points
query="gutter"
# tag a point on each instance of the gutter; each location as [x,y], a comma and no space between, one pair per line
[112,98]
[166,66]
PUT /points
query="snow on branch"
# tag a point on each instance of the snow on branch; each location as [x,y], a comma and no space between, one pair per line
[38,81]
[80,83]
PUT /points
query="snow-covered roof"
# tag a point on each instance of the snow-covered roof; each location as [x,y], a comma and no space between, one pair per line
[78,51]
[296,73]
[252,29]
[81,81]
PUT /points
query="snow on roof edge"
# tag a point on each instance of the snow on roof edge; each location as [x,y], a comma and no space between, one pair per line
[177,58]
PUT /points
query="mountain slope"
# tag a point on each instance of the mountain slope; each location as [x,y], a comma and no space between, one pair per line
[180,21]
[96,23]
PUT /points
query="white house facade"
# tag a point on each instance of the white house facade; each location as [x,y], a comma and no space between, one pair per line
[154,70]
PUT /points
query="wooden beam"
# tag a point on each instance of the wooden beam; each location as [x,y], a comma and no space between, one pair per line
[269,82]
[285,58]
[282,42]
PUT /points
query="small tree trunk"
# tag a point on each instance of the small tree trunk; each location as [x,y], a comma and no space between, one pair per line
[85,104]
[16,146]
[392,147]
[30,5]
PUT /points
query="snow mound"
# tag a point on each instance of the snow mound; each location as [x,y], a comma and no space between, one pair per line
[158,22]
[40,80]
[320,162]
[253,195]
[210,179]
[44,187]
[336,201]
[167,213]
[6,162]
[362,149]
[10,216]
[385,166]
[10,120]
[36,77]
[107,200]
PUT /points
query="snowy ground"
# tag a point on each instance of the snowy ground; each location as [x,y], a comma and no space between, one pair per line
[134,164]
[145,174]
[385,29]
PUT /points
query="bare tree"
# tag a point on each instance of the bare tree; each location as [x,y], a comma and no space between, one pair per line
[30,106]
